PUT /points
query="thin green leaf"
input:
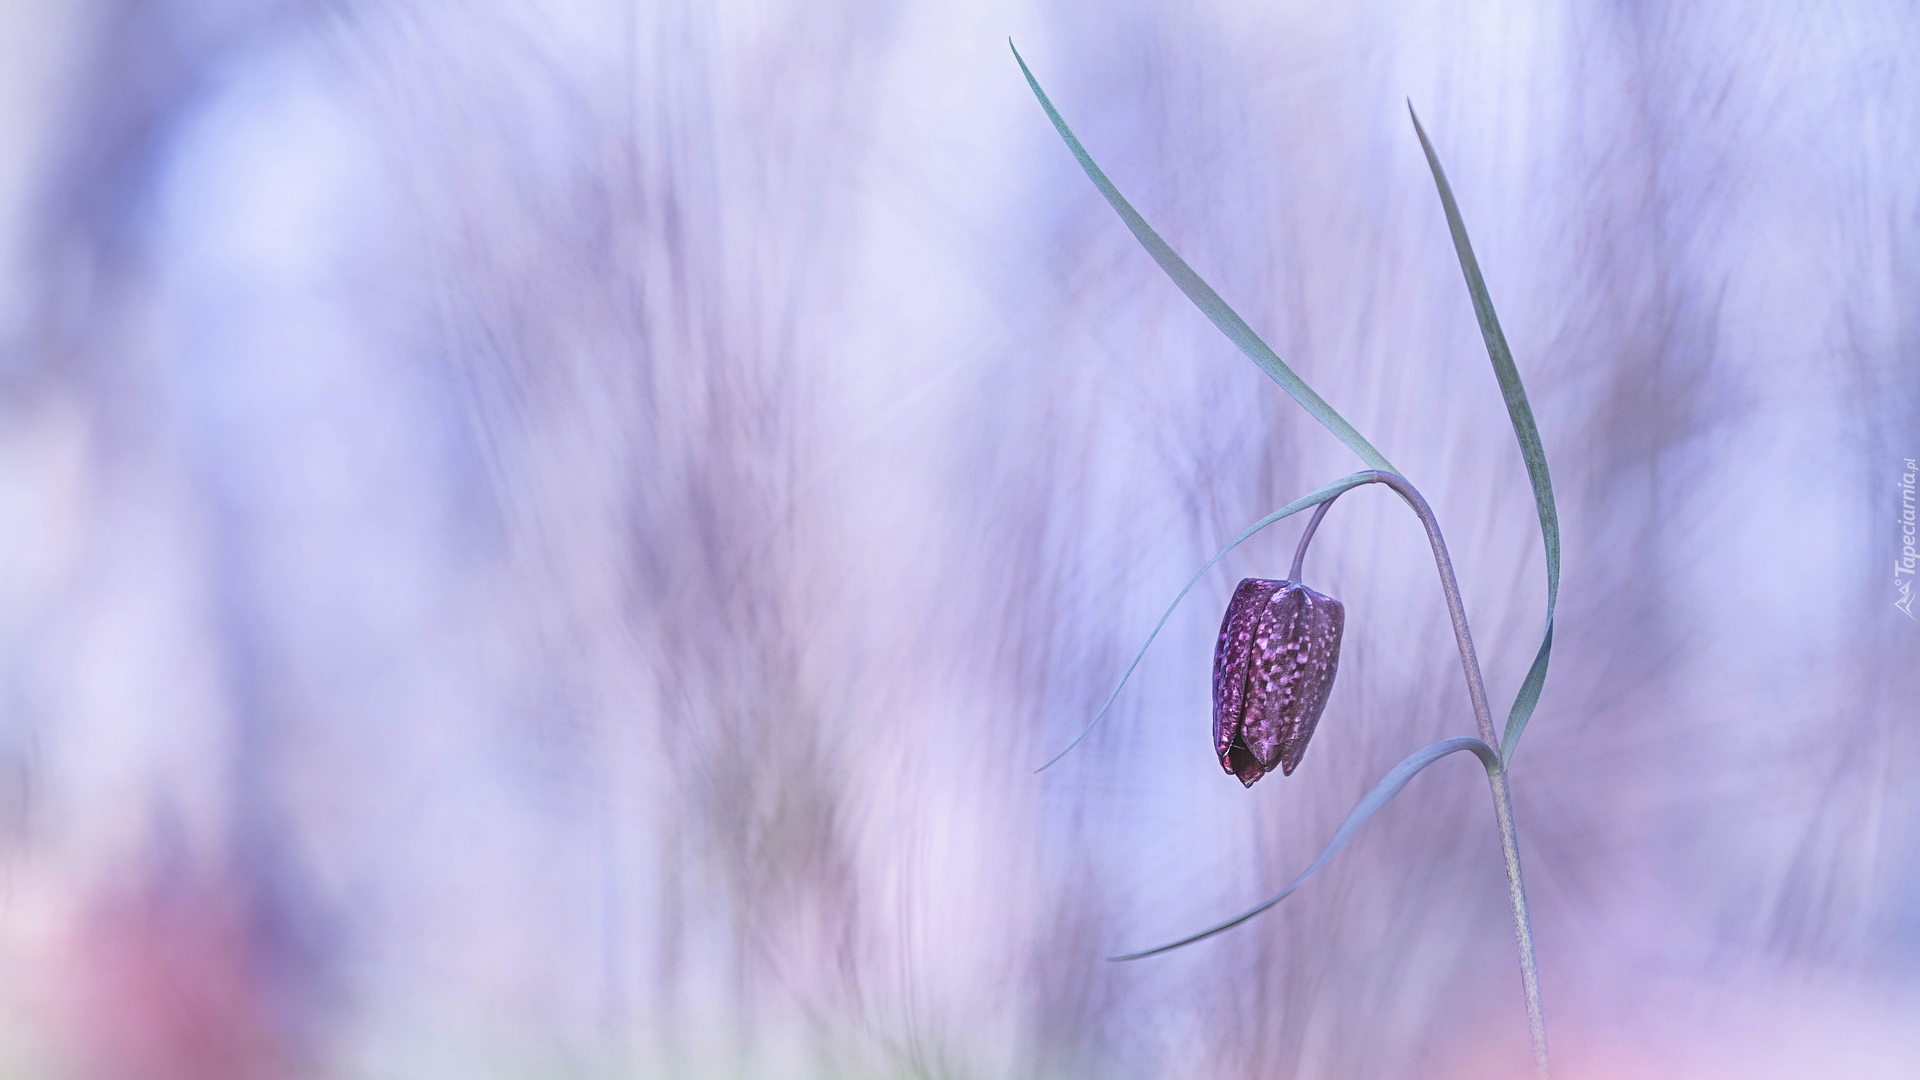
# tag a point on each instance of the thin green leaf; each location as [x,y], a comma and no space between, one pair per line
[1330,491]
[1202,294]
[1524,430]
[1382,793]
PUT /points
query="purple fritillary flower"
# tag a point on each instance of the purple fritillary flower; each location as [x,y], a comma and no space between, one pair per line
[1272,670]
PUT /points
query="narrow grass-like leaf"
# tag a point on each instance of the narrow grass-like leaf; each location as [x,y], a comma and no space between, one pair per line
[1202,294]
[1330,491]
[1524,430]
[1382,793]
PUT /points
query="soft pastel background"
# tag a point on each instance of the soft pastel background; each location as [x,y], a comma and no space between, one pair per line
[546,539]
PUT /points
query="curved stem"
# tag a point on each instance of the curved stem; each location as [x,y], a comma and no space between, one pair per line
[1456,611]
[1313,525]
[1496,777]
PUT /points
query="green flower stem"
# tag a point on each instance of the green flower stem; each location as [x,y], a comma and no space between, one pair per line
[1496,776]
[1313,526]
[1522,924]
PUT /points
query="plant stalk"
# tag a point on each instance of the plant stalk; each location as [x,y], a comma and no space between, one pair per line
[1496,777]
[1313,526]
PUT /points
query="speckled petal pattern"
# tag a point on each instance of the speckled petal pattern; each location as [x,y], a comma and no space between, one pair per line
[1273,668]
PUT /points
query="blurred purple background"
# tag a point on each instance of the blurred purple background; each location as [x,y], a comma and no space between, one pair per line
[547,539]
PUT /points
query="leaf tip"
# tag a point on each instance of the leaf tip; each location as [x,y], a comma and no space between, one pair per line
[1419,128]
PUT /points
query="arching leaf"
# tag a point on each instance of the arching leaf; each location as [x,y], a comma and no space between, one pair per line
[1382,793]
[1202,294]
[1521,414]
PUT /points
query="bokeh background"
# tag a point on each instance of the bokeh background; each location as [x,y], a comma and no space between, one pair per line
[546,540]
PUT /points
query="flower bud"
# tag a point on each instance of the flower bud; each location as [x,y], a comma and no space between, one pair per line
[1272,670]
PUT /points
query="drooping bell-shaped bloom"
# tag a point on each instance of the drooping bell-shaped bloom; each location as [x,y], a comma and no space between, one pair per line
[1272,670]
